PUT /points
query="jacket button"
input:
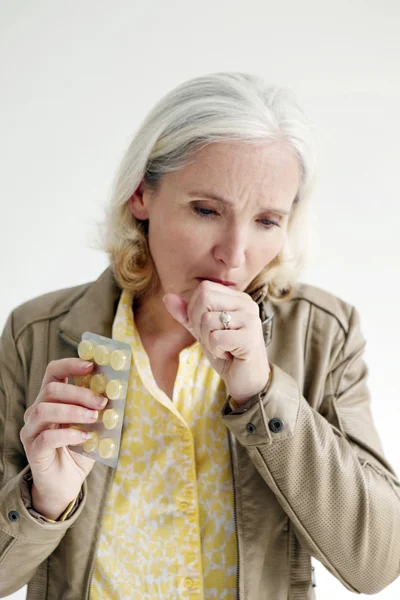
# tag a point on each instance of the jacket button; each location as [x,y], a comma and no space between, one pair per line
[251,428]
[275,425]
[13,516]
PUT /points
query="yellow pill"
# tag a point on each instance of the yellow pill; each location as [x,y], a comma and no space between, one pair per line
[82,380]
[115,389]
[98,383]
[85,350]
[107,448]
[91,443]
[119,360]
[102,355]
[110,418]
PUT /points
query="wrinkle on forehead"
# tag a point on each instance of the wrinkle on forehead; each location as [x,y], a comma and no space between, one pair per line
[244,173]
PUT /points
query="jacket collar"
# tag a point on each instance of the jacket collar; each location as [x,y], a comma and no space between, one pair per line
[266,313]
[94,311]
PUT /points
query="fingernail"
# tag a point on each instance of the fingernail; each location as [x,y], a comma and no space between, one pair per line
[101,402]
[164,297]
[86,365]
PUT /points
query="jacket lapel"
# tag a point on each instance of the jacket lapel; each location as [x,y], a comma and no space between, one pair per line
[94,311]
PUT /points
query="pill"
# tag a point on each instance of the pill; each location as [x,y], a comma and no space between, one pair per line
[98,383]
[83,380]
[107,448]
[102,355]
[86,349]
[119,360]
[91,443]
[110,418]
[115,389]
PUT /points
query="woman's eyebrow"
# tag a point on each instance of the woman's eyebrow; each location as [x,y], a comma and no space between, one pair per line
[217,198]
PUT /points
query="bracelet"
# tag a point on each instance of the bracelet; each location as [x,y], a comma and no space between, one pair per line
[67,512]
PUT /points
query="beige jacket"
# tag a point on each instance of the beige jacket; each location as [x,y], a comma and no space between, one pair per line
[310,477]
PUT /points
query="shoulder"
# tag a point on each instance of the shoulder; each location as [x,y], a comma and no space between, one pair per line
[320,305]
[90,304]
[46,307]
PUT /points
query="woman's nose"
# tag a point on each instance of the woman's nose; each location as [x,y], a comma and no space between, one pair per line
[231,250]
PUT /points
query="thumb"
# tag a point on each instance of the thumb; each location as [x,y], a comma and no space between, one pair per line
[177,307]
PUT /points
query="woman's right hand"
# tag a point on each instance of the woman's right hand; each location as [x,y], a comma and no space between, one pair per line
[58,472]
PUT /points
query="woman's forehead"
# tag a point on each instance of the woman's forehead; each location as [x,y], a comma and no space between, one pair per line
[242,153]
[231,169]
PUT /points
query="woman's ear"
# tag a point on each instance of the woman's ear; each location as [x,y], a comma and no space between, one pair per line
[138,202]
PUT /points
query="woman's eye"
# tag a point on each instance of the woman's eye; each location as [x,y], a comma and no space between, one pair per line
[204,212]
[268,224]
[210,213]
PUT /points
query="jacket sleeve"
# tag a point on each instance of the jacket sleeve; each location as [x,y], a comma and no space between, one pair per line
[331,479]
[25,541]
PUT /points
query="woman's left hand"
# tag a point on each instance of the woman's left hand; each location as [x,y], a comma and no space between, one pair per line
[238,354]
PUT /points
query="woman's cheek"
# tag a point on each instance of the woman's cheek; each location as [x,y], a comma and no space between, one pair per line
[270,248]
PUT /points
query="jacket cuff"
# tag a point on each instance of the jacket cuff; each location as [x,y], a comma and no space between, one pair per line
[18,522]
[272,417]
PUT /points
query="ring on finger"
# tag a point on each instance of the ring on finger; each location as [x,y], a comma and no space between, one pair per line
[225,318]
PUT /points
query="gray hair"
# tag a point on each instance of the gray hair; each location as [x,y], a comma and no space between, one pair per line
[204,110]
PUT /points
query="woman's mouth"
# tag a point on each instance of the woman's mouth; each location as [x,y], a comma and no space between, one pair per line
[221,281]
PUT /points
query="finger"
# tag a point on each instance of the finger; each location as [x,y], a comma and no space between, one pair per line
[218,287]
[60,370]
[45,414]
[51,439]
[71,394]
[204,294]
[237,343]
[211,321]
[177,307]
[68,394]
[209,299]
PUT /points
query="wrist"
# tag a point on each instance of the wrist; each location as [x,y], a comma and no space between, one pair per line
[49,510]
[238,402]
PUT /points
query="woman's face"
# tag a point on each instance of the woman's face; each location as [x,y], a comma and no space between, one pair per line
[223,217]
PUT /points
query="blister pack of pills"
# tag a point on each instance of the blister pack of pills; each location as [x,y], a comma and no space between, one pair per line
[109,378]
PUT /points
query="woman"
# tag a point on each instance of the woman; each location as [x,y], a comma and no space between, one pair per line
[248,443]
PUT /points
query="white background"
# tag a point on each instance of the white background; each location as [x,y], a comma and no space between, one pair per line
[77,78]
